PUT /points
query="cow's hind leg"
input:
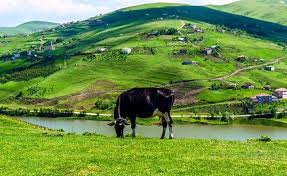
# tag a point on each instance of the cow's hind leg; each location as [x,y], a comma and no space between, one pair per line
[169,122]
[164,125]
[133,125]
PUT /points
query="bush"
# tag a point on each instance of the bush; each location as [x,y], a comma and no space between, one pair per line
[264,139]
[105,104]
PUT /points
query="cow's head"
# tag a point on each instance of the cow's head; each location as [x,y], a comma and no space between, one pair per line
[119,126]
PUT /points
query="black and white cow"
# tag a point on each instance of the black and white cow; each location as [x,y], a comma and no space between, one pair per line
[143,103]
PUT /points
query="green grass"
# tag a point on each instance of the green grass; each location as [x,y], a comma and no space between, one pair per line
[269,10]
[27,28]
[29,150]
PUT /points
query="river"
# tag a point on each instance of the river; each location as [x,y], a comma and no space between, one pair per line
[235,132]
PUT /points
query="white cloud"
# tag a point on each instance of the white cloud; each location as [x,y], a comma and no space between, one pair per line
[13,12]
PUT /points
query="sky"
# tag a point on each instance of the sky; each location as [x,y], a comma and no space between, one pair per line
[14,12]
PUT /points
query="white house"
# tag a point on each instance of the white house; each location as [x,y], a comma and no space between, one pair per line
[280,93]
[51,46]
[29,53]
[126,50]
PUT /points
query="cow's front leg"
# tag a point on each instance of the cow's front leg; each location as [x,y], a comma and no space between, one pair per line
[133,125]
[164,125]
[169,122]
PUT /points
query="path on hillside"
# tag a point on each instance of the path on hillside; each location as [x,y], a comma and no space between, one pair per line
[222,78]
[246,69]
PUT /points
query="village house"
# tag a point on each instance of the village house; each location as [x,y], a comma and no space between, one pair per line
[208,51]
[269,68]
[280,93]
[29,53]
[180,52]
[102,49]
[211,50]
[182,40]
[50,47]
[15,56]
[189,63]
[247,86]
[241,58]
[263,98]
[267,87]
[126,50]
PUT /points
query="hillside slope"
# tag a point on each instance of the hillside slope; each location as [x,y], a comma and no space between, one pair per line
[28,28]
[87,66]
[268,10]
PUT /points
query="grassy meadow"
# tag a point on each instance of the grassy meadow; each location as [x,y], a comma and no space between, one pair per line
[32,150]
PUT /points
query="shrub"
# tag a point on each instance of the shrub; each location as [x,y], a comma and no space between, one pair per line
[264,139]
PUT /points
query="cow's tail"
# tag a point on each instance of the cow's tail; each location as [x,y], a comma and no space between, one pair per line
[117,112]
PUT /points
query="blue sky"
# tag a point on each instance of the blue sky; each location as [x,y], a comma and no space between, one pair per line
[14,12]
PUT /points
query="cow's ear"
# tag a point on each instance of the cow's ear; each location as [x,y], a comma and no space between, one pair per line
[112,123]
[165,94]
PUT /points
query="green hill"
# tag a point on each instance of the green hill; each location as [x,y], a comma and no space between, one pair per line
[27,28]
[76,74]
[268,10]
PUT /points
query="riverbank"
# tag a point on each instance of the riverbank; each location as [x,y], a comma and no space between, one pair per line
[205,119]
[31,150]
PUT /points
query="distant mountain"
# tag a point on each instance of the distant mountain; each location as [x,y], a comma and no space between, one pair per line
[268,10]
[27,28]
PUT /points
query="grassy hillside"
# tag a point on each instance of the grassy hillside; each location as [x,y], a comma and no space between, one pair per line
[268,10]
[32,150]
[76,74]
[28,28]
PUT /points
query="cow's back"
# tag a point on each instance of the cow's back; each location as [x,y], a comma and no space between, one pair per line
[140,102]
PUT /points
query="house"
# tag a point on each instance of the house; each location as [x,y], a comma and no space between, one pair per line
[50,46]
[182,40]
[208,51]
[15,56]
[102,49]
[155,33]
[29,53]
[241,58]
[267,87]
[280,93]
[126,50]
[269,68]
[231,86]
[189,63]
[263,98]
[180,52]
[247,86]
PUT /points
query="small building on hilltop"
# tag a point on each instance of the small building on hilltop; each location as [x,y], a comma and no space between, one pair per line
[263,98]
[280,93]
[50,47]
[15,56]
[189,63]
[126,50]
[208,51]
[269,68]
[182,40]
[241,58]
[267,87]
[248,86]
